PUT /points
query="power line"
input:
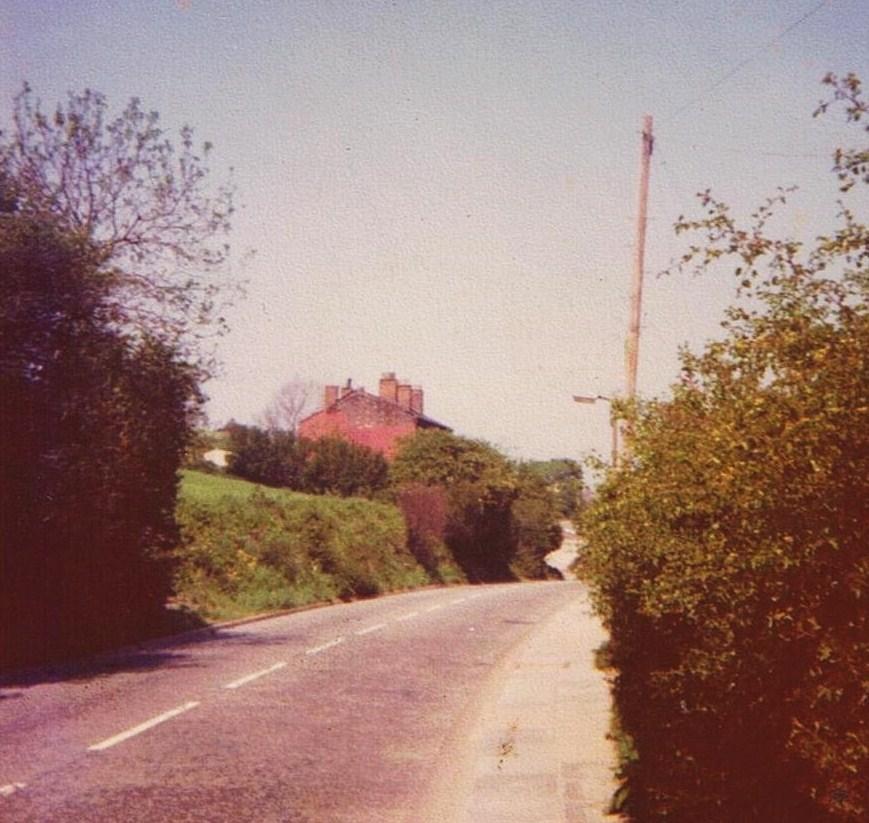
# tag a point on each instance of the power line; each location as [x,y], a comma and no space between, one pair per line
[743,63]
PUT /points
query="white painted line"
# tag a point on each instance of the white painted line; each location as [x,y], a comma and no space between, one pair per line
[376,628]
[247,678]
[318,649]
[435,608]
[11,788]
[459,600]
[143,727]
[407,616]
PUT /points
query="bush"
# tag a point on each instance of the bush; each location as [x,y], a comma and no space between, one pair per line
[95,423]
[425,514]
[499,519]
[326,466]
[729,554]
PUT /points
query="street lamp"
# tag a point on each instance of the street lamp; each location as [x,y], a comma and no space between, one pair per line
[591,399]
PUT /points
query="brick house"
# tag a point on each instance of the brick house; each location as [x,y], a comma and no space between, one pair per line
[376,421]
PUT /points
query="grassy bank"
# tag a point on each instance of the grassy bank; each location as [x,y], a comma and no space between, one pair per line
[247,548]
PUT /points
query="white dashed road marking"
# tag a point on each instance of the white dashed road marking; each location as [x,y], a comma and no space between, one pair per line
[459,600]
[318,649]
[247,678]
[407,616]
[375,628]
[142,727]
[11,788]
[435,607]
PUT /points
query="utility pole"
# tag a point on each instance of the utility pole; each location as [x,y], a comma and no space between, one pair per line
[632,346]
[585,398]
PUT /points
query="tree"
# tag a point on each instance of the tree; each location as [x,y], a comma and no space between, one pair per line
[95,423]
[729,555]
[108,238]
[142,204]
[292,401]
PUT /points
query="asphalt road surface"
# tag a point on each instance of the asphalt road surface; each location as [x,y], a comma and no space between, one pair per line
[353,712]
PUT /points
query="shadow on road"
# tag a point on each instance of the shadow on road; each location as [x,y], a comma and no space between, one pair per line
[160,653]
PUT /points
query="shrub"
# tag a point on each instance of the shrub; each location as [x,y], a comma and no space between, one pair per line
[729,554]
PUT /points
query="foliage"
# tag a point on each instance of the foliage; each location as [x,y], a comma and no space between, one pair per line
[425,513]
[500,521]
[332,465]
[326,466]
[95,424]
[139,201]
[248,549]
[729,555]
[564,477]
[269,457]
[534,514]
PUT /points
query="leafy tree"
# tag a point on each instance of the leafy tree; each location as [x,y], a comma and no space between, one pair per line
[140,201]
[729,555]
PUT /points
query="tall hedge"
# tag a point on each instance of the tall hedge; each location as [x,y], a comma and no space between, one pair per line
[94,423]
[729,554]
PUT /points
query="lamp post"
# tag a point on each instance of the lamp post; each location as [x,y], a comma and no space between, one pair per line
[591,399]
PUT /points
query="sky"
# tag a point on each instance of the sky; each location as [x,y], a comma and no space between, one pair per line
[448,189]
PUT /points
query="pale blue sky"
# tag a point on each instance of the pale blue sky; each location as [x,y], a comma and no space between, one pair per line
[447,189]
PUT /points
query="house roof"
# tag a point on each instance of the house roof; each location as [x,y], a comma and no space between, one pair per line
[423,419]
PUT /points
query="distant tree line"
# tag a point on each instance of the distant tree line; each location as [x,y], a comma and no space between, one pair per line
[331,465]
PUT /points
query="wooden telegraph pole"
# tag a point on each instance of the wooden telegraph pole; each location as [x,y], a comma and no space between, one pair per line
[632,347]
[632,344]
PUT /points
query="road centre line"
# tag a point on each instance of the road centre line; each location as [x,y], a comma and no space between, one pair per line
[318,649]
[142,727]
[459,600]
[407,616]
[375,628]
[247,678]
[435,607]
[11,788]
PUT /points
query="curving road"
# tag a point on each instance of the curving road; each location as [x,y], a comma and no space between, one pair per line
[352,712]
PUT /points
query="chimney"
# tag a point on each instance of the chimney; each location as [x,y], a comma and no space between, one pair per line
[330,397]
[404,395]
[345,390]
[389,387]
[416,399]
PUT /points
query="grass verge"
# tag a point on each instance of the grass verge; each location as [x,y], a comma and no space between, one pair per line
[247,549]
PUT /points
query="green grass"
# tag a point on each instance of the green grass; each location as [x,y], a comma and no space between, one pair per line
[247,548]
[203,487]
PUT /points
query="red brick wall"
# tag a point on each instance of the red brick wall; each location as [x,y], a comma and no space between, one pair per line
[361,419]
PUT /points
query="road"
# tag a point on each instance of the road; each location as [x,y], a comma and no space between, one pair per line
[354,712]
